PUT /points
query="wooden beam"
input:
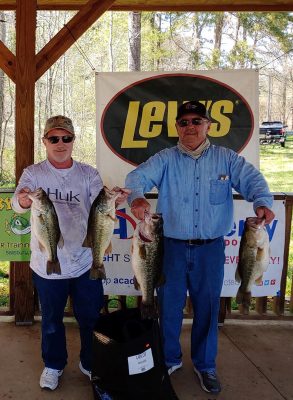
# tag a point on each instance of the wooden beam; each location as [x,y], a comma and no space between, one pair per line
[165,5]
[57,46]
[7,61]
[26,14]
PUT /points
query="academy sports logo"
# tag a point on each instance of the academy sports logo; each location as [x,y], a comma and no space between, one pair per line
[139,121]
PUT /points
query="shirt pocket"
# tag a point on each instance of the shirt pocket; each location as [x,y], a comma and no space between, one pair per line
[219,191]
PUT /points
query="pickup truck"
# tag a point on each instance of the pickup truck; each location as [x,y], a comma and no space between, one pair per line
[272,132]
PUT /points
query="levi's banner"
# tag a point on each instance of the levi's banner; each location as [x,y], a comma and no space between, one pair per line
[136,114]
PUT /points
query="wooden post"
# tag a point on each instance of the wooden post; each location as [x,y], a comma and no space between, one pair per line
[26,12]
[261,305]
[279,301]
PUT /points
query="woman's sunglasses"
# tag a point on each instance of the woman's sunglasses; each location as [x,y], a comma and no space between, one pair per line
[55,139]
[194,121]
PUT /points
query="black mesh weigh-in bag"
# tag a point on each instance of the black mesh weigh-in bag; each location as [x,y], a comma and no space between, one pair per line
[128,361]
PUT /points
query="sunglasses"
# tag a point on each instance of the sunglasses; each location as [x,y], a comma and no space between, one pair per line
[55,139]
[194,121]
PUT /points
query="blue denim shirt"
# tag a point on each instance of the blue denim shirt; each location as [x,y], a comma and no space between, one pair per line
[195,195]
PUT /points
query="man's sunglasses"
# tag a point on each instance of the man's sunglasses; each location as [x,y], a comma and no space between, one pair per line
[55,139]
[194,121]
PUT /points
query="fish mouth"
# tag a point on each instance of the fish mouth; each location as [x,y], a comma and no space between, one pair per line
[255,223]
[36,194]
[112,194]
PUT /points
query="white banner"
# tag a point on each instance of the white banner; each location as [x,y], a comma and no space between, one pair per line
[118,264]
[136,114]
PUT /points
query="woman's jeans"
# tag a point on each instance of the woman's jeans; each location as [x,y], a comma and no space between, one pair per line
[198,269]
[87,297]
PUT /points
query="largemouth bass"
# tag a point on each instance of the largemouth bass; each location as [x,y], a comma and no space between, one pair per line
[100,228]
[147,261]
[254,257]
[45,226]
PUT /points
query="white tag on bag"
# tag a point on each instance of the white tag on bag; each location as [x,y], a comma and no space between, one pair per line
[141,362]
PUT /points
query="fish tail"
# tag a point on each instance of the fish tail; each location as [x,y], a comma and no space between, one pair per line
[243,298]
[148,311]
[97,272]
[53,267]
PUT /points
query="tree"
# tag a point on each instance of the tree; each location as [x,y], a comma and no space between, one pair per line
[134,37]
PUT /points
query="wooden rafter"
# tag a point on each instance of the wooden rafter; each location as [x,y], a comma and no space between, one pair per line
[7,61]
[165,5]
[57,46]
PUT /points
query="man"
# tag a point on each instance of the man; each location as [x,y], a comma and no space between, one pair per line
[194,181]
[72,187]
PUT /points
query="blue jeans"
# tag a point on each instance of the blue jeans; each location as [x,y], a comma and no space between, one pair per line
[87,297]
[200,270]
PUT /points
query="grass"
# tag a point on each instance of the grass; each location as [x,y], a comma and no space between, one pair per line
[276,163]
[4,283]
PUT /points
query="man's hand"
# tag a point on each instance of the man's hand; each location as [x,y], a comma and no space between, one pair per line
[140,207]
[124,192]
[23,199]
[265,213]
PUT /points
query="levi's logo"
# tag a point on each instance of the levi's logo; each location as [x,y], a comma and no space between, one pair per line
[140,120]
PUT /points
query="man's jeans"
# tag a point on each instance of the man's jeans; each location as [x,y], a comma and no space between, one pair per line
[87,298]
[199,270]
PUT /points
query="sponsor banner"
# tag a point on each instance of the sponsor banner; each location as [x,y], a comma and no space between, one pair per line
[136,114]
[14,233]
[15,246]
[118,264]
[270,285]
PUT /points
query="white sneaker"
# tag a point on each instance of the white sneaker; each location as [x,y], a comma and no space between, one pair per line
[85,371]
[50,378]
[174,368]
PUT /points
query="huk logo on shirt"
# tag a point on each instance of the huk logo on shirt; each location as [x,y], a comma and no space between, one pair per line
[139,121]
[70,197]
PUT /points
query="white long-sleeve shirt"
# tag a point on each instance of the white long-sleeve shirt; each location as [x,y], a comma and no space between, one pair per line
[72,192]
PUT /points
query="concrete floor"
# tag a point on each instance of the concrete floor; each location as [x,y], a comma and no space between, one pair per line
[255,361]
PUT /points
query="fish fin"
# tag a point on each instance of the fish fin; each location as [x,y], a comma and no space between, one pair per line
[97,273]
[135,283]
[259,254]
[42,248]
[114,219]
[87,241]
[258,281]
[60,244]
[161,280]
[237,275]
[53,267]
[142,251]
[148,311]
[109,249]
[243,298]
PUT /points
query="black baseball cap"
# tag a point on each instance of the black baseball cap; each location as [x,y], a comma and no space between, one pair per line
[192,107]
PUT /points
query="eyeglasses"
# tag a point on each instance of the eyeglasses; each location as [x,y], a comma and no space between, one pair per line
[194,121]
[55,139]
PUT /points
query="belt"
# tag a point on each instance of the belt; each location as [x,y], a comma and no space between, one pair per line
[196,242]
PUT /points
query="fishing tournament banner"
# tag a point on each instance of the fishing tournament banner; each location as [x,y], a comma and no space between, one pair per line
[15,246]
[136,114]
[119,273]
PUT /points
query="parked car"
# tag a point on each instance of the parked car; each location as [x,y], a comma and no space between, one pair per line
[272,132]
